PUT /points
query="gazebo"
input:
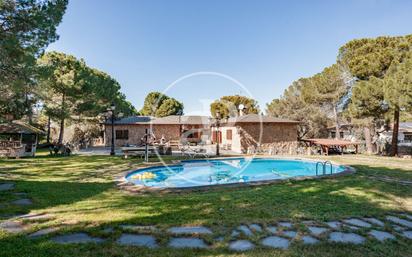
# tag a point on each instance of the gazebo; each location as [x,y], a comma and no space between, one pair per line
[327,144]
[18,139]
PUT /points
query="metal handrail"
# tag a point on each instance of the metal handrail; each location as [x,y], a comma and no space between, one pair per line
[324,167]
[321,163]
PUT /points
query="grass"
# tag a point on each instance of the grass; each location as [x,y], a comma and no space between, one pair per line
[79,191]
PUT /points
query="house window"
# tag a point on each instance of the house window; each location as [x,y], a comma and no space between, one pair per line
[407,137]
[122,134]
[229,134]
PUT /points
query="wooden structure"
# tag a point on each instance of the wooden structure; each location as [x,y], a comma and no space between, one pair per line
[18,139]
[327,144]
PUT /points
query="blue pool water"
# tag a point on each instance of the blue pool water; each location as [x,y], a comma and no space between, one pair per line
[224,171]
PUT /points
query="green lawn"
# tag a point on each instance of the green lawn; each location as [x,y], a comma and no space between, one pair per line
[81,194]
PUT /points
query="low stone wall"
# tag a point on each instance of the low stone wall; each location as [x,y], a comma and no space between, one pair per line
[277,148]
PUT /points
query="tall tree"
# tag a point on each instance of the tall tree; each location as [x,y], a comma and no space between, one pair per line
[369,59]
[228,106]
[160,105]
[292,105]
[63,78]
[327,89]
[26,28]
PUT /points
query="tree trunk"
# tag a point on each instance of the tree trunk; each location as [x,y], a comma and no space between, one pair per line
[61,134]
[335,113]
[368,140]
[48,130]
[395,131]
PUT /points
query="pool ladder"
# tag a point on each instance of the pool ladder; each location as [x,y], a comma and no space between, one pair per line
[324,165]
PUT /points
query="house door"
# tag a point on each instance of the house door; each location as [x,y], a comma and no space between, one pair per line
[214,137]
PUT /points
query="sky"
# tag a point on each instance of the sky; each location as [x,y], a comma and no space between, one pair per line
[197,51]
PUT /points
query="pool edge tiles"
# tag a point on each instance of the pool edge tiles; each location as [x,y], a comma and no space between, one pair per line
[194,172]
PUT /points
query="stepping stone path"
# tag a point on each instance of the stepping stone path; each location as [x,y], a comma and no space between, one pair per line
[272,229]
[375,221]
[339,237]
[13,227]
[189,230]
[400,221]
[290,234]
[285,224]
[76,238]
[407,234]
[241,245]
[187,243]
[139,228]
[23,201]
[275,242]
[281,236]
[6,186]
[245,230]
[256,228]
[381,235]
[358,222]
[334,224]
[43,232]
[137,240]
[308,240]
[317,230]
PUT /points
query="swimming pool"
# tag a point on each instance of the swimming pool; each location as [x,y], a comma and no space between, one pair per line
[226,171]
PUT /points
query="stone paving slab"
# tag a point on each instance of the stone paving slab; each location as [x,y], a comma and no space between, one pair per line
[235,233]
[24,201]
[290,233]
[375,221]
[381,235]
[317,230]
[187,243]
[6,186]
[76,238]
[400,221]
[407,234]
[272,229]
[275,242]
[334,224]
[13,227]
[308,240]
[256,227]
[286,224]
[137,240]
[398,228]
[241,245]
[340,237]
[245,230]
[148,228]
[357,222]
[43,232]
[190,230]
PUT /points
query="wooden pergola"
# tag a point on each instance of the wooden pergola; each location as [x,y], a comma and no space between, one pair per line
[18,139]
[326,144]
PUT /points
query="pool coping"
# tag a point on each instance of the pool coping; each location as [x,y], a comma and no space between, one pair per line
[127,186]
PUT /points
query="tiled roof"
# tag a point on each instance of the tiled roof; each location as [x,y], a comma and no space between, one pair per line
[405,126]
[256,118]
[18,127]
[173,119]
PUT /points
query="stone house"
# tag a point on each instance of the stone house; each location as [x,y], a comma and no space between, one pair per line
[236,134]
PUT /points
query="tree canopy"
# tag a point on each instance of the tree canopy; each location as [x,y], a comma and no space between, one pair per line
[69,87]
[381,67]
[228,106]
[26,28]
[160,105]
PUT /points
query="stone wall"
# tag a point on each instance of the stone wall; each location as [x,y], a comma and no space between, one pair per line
[254,135]
[137,132]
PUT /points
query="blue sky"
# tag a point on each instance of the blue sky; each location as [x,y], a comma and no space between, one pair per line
[264,45]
